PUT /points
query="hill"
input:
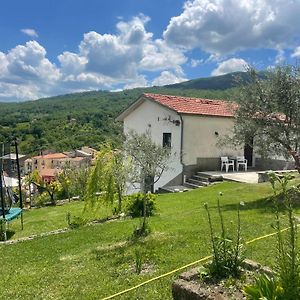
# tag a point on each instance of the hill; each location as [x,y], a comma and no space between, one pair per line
[221,82]
[70,121]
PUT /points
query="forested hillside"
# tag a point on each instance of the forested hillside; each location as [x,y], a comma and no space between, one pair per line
[71,121]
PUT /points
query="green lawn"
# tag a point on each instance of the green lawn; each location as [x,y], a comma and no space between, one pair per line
[95,261]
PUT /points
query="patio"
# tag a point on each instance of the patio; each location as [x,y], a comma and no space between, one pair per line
[247,177]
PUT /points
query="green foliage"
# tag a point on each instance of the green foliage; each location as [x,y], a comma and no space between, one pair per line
[269,112]
[179,236]
[265,287]
[227,252]
[75,221]
[41,199]
[107,180]
[71,121]
[134,204]
[50,188]
[138,260]
[149,159]
[288,255]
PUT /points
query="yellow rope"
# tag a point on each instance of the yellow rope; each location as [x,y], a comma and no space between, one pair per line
[158,277]
[186,266]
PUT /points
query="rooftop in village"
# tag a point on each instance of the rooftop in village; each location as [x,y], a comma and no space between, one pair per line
[185,105]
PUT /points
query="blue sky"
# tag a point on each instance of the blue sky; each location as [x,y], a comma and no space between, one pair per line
[55,47]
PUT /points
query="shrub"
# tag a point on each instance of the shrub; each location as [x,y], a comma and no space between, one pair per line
[227,252]
[265,287]
[75,221]
[134,204]
[287,275]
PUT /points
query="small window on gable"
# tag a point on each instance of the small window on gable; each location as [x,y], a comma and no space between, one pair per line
[167,140]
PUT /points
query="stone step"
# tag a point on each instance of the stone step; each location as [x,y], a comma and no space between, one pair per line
[191,185]
[204,175]
[211,178]
[201,178]
[197,181]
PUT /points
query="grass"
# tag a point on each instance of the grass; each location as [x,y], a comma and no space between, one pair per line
[50,218]
[95,261]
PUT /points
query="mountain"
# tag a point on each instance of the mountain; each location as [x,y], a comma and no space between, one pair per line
[221,82]
[70,121]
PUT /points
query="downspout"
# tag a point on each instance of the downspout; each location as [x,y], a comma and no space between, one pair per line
[181,147]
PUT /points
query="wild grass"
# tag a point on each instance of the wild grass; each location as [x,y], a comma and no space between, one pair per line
[92,262]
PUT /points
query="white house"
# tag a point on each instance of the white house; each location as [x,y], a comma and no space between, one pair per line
[191,126]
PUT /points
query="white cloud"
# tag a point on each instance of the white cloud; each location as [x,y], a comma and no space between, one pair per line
[103,61]
[26,72]
[159,56]
[30,32]
[280,57]
[230,65]
[141,81]
[167,77]
[225,26]
[196,62]
[296,52]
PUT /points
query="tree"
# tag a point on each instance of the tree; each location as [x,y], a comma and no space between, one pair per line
[65,179]
[107,179]
[50,187]
[269,111]
[149,159]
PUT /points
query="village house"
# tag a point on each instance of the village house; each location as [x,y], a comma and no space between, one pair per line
[49,165]
[191,127]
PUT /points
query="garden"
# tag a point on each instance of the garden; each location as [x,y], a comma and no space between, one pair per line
[98,260]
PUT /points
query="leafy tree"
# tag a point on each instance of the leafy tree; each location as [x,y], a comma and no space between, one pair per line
[269,111]
[149,159]
[107,179]
[50,187]
[65,179]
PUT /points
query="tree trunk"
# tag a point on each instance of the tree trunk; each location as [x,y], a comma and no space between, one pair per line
[144,213]
[296,158]
[119,199]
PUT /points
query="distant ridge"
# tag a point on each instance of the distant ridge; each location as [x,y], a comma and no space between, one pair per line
[222,82]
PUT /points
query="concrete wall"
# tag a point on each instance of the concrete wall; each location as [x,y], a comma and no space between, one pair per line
[156,119]
[200,137]
[274,164]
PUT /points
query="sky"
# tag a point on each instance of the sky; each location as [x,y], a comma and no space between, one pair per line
[56,47]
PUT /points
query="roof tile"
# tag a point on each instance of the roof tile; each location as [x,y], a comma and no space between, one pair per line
[196,106]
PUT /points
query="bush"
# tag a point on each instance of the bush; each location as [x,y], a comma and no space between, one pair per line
[75,221]
[227,252]
[134,204]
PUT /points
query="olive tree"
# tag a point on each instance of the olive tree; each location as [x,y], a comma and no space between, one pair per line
[149,162]
[149,159]
[269,111]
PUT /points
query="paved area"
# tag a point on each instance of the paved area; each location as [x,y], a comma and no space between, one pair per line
[248,177]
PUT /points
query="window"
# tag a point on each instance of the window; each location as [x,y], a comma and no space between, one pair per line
[167,140]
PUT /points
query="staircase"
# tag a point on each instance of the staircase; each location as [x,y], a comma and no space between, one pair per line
[201,179]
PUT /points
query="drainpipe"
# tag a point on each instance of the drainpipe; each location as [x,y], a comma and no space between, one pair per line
[181,146]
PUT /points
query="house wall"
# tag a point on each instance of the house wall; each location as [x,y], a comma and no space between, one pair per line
[156,119]
[200,149]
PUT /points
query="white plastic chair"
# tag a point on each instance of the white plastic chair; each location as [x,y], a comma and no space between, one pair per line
[241,161]
[227,163]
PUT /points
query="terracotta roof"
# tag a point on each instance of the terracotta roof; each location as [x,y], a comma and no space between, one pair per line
[49,172]
[196,106]
[51,156]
